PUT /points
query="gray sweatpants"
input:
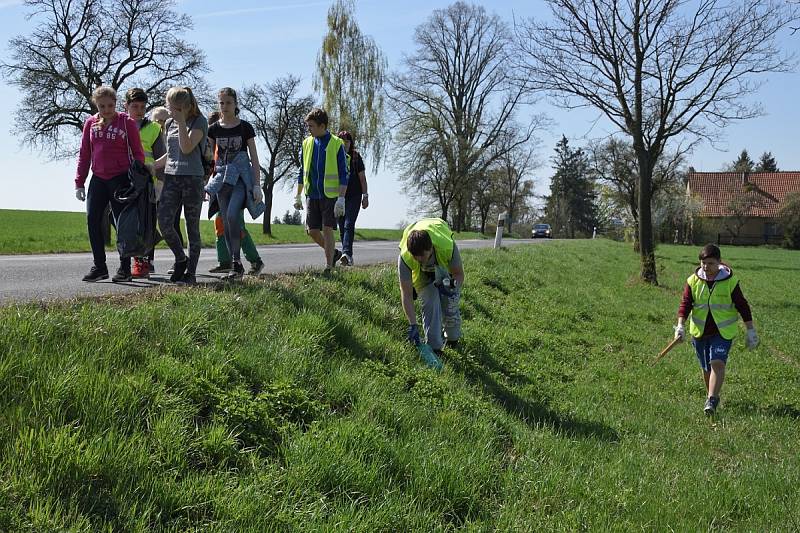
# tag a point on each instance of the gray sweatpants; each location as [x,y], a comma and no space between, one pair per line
[440,313]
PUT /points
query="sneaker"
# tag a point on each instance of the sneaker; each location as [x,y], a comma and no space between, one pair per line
[237,271]
[171,271]
[178,269]
[220,268]
[327,272]
[711,405]
[439,353]
[452,343]
[256,268]
[337,254]
[187,279]
[96,274]
[346,260]
[140,269]
[123,274]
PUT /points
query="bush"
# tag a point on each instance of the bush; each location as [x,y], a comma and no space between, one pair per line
[790,220]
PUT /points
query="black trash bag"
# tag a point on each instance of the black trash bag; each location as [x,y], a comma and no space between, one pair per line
[136,224]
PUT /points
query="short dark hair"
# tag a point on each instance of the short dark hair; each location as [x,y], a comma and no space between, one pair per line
[710,250]
[135,95]
[419,242]
[318,115]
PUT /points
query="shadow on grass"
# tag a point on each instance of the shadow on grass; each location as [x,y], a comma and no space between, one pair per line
[536,414]
[773,411]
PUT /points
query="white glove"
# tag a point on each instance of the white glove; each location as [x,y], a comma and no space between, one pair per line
[752,339]
[258,194]
[338,209]
[298,202]
[680,333]
[80,194]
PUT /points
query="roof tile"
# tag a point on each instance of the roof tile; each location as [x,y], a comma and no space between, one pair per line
[766,189]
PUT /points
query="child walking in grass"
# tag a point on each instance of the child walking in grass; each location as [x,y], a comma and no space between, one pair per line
[712,301]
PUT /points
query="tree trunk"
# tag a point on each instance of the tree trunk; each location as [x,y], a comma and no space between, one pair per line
[646,244]
[267,223]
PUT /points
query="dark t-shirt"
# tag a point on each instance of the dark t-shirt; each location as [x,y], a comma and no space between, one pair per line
[230,141]
[354,182]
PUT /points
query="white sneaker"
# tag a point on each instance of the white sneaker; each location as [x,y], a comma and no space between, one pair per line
[346,260]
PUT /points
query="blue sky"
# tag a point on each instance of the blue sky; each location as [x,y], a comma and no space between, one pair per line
[255,41]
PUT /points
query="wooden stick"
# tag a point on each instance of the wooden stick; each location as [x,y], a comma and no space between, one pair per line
[666,350]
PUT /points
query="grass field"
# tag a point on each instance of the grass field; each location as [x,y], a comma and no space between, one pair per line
[293,403]
[34,232]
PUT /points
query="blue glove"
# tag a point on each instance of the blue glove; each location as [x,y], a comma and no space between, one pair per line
[413,335]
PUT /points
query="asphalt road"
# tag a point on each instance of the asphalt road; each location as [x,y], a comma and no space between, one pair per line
[25,278]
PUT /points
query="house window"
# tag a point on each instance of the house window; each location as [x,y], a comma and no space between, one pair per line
[771,229]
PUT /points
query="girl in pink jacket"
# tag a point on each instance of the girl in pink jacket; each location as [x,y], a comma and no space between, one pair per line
[109,141]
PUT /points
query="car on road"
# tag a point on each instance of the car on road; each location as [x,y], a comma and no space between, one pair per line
[541,230]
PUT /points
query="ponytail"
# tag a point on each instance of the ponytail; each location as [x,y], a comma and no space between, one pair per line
[184,97]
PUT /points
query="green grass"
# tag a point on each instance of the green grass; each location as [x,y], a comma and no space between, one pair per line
[35,232]
[293,403]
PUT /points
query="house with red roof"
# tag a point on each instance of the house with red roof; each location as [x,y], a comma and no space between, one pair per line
[740,207]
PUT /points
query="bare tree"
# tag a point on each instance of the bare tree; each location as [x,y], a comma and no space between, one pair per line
[743,199]
[615,162]
[278,117]
[424,176]
[458,86]
[657,69]
[512,184]
[82,44]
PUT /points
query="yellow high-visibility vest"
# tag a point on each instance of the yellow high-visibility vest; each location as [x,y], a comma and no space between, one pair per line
[149,134]
[443,245]
[330,183]
[717,301]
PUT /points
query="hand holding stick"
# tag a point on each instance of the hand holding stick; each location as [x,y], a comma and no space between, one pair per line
[669,347]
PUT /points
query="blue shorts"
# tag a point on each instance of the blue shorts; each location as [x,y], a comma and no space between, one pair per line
[709,348]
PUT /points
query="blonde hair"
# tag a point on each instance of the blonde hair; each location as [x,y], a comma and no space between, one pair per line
[158,112]
[104,91]
[183,97]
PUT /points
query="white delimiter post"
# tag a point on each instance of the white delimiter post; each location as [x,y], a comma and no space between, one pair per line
[498,236]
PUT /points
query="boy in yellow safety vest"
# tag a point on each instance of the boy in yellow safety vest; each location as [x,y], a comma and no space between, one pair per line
[712,302]
[429,266]
[323,178]
[154,147]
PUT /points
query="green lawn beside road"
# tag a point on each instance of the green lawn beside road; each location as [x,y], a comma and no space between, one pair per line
[293,403]
[35,232]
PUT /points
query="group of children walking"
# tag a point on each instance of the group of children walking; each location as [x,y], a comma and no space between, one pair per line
[332,179]
[173,143]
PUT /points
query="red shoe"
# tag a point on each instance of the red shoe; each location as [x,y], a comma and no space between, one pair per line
[140,269]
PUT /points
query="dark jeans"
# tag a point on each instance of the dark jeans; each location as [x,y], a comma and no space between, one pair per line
[101,193]
[186,192]
[347,223]
[231,200]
